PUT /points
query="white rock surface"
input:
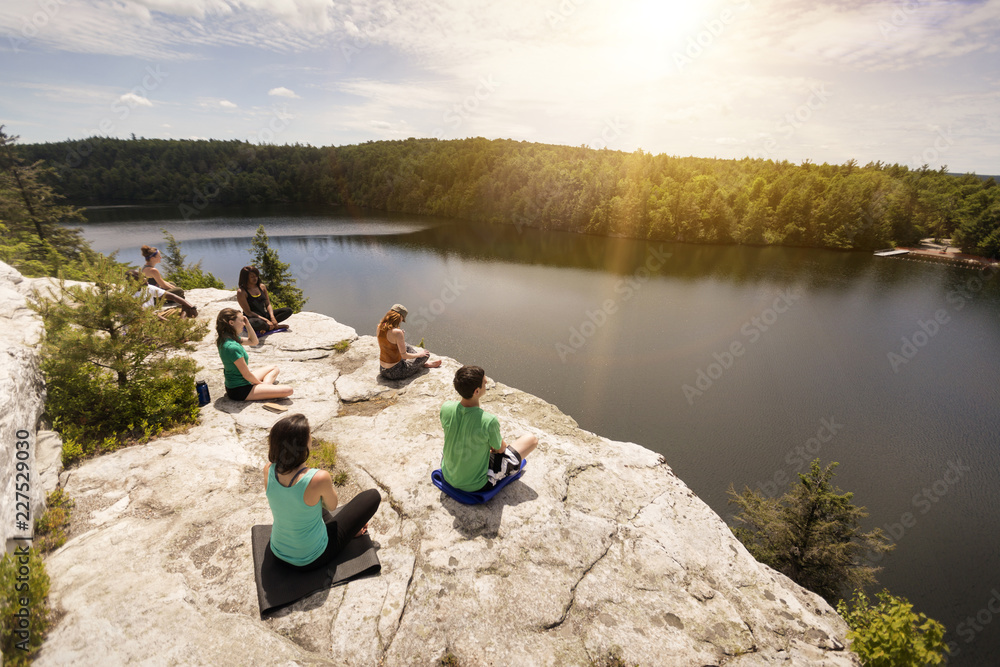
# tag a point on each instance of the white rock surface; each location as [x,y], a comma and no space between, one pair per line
[22,402]
[598,545]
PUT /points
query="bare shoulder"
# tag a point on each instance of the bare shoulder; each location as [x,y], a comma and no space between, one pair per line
[321,477]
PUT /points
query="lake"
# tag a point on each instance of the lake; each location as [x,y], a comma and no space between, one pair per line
[738,364]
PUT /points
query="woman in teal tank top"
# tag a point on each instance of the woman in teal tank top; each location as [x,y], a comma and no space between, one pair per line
[305,535]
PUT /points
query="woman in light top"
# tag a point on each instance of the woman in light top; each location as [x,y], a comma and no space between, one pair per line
[152,274]
[399,360]
[154,293]
[242,384]
[305,535]
[257,307]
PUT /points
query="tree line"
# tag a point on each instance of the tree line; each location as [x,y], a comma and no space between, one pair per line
[603,192]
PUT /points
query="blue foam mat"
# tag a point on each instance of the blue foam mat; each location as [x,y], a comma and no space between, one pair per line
[477,497]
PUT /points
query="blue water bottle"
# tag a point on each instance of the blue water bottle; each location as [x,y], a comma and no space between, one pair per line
[203,396]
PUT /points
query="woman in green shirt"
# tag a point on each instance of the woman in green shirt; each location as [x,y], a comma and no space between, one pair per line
[305,535]
[242,384]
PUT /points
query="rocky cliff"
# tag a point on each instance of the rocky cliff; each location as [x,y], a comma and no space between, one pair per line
[598,545]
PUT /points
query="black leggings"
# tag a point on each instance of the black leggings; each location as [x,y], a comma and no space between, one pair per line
[263,324]
[340,529]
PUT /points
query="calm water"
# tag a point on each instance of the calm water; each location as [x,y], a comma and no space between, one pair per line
[739,365]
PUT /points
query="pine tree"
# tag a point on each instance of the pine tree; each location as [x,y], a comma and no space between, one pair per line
[275,274]
[109,362]
[179,273]
[32,238]
[810,534]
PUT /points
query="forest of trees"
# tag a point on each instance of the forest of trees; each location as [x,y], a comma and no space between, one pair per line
[638,195]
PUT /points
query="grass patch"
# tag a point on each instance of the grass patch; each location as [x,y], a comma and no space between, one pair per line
[448,660]
[342,346]
[50,533]
[368,408]
[322,454]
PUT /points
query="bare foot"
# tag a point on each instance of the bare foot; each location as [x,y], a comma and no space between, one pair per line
[364,529]
[432,364]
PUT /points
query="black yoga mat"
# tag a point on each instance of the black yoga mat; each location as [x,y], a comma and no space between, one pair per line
[279,585]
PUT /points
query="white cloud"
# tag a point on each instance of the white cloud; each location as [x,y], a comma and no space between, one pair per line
[134,100]
[281,91]
[226,104]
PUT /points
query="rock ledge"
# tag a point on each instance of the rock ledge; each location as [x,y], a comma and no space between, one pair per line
[598,545]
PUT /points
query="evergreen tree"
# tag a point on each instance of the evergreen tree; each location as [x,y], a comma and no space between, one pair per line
[275,274]
[182,275]
[110,364]
[31,237]
[810,534]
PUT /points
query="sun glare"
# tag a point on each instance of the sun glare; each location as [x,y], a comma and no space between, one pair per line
[651,32]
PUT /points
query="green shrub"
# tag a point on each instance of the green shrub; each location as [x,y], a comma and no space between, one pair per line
[889,633]
[110,365]
[95,415]
[50,531]
[24,610]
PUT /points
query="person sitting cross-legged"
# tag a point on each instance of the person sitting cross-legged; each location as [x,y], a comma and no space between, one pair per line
[154,296]
[305,535]
[475,457]
[397,359]
[242,384]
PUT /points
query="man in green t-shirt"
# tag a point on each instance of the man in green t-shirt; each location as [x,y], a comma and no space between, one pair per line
[475,456]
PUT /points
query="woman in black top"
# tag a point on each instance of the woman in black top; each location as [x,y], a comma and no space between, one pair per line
[256,304]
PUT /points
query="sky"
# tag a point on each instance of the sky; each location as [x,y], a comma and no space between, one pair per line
[912,82]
